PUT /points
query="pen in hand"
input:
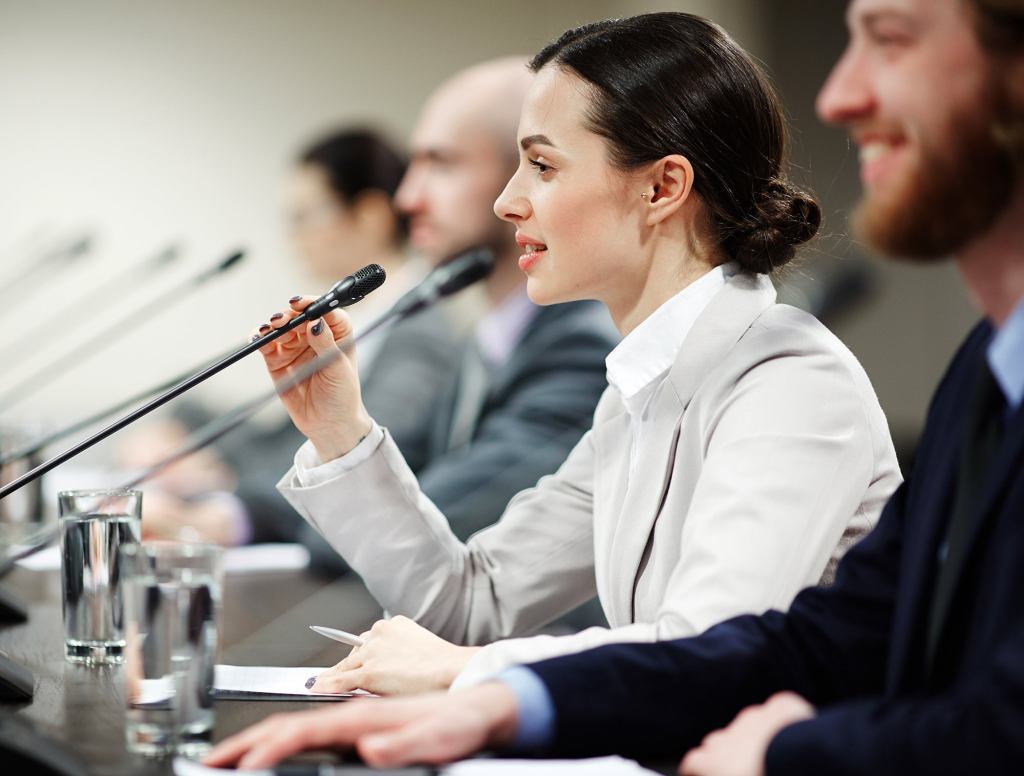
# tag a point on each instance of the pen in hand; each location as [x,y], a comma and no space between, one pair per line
[337,635]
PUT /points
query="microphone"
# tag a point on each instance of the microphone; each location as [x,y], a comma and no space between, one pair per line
[453,277]
[342,294]
[104,337]
[448,278]
[62,254]
[142,271]
[345,292]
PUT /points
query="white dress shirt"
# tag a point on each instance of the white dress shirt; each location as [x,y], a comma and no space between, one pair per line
[640,363]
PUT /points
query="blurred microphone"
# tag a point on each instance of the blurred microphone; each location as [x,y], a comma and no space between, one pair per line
[65,253]
[107,336]
[137,273]
[448,278]
[342,294]
[445,280]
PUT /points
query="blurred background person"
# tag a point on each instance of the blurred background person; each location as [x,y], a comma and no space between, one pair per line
[340,217]
[530,377]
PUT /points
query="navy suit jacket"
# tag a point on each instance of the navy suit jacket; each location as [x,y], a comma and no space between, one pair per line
[855,650]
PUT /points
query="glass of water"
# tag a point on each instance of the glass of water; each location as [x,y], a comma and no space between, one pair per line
[172,608]
[94,525]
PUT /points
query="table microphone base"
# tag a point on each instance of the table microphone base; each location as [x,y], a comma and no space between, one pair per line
[16,682]
[11,609]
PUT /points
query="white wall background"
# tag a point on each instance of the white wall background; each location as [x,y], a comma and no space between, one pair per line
[156,121]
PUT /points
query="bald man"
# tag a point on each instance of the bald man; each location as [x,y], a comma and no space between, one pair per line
[531,377]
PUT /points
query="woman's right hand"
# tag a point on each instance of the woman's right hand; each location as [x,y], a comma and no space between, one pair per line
[327,407]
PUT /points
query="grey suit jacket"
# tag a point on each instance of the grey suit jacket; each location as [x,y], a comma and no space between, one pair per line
[765,444]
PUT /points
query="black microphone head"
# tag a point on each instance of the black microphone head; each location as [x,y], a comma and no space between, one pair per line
[465,270]
[167,256]
[231,260]
[79,247]
[369,278]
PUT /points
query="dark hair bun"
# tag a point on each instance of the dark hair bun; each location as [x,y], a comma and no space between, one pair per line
[784,217]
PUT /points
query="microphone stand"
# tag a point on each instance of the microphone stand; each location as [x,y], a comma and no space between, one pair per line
[64,254]
[143,269]
[314,311]
[446,280]
[17,682]
[103,337]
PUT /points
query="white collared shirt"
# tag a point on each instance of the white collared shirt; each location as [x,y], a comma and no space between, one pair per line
[500,330]
[640,363]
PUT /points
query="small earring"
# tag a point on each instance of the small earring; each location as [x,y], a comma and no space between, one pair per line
[644,195]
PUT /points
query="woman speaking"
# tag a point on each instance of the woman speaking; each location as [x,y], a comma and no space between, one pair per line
[737,442]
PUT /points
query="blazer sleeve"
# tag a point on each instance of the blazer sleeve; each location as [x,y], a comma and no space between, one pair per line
[974,728]
[667,696]
[533,565]
[540,417]
[783,475]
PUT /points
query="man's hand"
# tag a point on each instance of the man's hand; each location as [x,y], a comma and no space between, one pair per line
[435,728]
[740,748]
[398,658]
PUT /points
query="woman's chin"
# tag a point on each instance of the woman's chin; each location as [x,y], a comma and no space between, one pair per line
[541,293]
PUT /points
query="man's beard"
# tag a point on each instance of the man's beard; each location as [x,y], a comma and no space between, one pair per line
[951,198]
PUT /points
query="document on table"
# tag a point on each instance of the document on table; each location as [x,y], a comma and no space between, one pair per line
[596,766]
[253,559]
[270,683]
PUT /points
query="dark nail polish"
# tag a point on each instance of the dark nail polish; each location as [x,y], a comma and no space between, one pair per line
[317,328]
[310,682]
[265,327]
[277,316]
[294,299]
[254,337]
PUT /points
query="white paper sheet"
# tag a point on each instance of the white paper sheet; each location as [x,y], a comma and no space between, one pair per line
[272,680]
[254,559]
[596,766]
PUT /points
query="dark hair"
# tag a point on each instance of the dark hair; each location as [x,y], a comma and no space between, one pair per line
[1000,24]
[358,160]
[673,83]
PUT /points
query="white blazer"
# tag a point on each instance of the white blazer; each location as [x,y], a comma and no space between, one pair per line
[766,444]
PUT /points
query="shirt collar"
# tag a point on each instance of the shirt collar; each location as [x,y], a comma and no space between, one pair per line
[1006,357]
[501,329]
[651,348]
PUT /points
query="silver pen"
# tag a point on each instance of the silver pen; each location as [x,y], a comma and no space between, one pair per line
[338,635]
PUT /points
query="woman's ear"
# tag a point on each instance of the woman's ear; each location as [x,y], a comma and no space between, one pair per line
[670,182]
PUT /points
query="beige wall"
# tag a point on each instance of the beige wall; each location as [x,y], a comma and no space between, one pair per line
[152,121]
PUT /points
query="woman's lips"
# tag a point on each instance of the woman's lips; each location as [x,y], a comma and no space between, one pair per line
[531,256]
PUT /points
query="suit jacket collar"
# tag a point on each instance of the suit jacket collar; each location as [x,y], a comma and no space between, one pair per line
[725,319]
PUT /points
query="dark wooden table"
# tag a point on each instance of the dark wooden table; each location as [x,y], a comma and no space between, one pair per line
[265,621]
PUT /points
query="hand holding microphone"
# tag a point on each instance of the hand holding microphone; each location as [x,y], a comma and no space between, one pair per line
[328,407]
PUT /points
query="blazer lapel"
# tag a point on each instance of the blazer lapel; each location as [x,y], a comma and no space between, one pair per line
[728,315]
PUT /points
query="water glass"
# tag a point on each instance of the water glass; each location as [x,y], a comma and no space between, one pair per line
[94,525]
[172,609]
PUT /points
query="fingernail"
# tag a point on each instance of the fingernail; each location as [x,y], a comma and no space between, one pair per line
[254,337]
[294,299]
[317,328]
[277,316]
[265,327]
[310,682]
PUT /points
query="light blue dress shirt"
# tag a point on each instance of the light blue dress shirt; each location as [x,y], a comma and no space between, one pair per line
[1006,358]
[536,709]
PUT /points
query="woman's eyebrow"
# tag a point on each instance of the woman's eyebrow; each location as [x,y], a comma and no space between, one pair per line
[531,140]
